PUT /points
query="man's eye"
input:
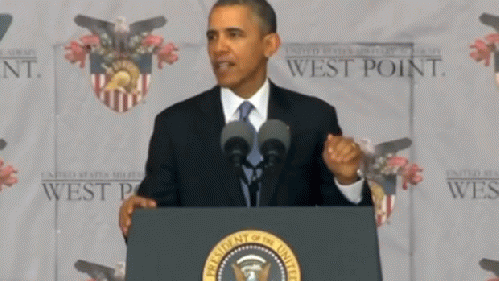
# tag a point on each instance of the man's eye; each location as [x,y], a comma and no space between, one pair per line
[234,34]
[210,37]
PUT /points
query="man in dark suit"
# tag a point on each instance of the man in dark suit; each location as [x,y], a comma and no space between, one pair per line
[186,166]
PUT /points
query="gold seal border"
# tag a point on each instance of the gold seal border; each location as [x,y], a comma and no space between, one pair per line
[244,237]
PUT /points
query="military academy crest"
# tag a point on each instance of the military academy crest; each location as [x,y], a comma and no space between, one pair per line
[381,167]
[482,49]
[120,58]
[383,203]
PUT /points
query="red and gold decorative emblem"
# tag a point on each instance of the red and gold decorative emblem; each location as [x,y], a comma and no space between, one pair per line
[120,58]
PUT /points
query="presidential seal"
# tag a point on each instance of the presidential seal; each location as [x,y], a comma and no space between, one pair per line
[251,255]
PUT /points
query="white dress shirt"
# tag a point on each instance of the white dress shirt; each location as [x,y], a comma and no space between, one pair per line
[258,116]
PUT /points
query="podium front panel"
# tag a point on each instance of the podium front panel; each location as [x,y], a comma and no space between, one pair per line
[330,243]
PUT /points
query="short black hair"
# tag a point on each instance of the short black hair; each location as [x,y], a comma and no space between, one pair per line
[261,8]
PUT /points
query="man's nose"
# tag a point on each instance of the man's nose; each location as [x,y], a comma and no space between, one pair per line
[221,45]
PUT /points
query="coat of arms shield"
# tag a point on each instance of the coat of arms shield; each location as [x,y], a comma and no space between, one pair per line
[120,58]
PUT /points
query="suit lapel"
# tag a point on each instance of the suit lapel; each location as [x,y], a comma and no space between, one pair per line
[211,105]
[278,105]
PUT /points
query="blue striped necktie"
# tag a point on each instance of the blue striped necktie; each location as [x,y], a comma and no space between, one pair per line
[254,156]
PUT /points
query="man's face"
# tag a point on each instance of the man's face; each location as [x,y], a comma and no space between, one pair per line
[236,46]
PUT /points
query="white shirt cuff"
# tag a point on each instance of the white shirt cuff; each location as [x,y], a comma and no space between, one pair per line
[352,192]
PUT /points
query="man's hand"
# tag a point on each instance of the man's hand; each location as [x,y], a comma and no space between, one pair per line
[342,157]
[129,206]
[7,175]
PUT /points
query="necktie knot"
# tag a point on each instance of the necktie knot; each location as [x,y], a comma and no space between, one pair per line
[244,110]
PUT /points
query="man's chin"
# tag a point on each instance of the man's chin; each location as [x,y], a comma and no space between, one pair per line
[226,84]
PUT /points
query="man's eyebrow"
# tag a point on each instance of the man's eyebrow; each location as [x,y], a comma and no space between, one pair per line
[232,29]
[212,31]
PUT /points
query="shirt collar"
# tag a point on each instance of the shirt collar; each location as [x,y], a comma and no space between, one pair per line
[260,100]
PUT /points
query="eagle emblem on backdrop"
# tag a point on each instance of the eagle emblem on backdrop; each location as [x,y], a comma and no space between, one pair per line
[98,272]
[483,48]
[5,22]
[121,56]
[8,175]
[381,167]
[491,266]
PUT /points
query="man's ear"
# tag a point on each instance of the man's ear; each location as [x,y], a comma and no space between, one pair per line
[272,43]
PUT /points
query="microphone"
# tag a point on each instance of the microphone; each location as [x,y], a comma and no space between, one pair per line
[237,140]
[273,141]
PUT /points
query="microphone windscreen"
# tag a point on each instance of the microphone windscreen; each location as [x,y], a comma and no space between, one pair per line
[240,129]
[274,129]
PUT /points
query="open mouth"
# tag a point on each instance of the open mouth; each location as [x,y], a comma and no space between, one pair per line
[224,65]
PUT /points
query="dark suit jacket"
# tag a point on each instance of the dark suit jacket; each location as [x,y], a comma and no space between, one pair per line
[186,166]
